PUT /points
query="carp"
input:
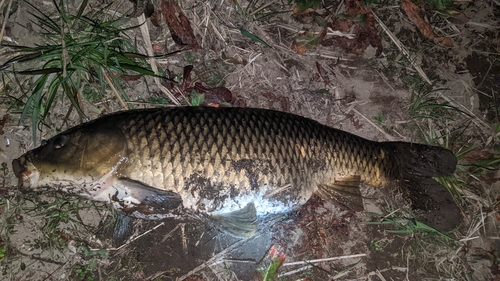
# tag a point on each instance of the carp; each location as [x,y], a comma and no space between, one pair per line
[234,164]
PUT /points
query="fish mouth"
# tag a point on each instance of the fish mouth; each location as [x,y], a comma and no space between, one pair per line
[25,172]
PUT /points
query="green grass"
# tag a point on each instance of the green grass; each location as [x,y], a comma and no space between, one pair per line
[437,122]
[403,225]
[82,56]
[87,271]
[423,245]
[48,222]
[257,11]
[433,121]
[262,11]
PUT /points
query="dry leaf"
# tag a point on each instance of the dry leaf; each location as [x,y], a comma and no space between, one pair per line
[300,49]
[413,12]
[3,121]
[365,30]
[179,25]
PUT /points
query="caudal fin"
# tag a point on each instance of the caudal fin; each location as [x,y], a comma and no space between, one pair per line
[419,160]
[416,165]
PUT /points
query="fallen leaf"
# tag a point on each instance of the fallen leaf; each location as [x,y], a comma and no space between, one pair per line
[359,21]
[5,119]
[157,48]
[213,95]
[300,49]
[179,25]
[413,12]
[284,102]
[155,18]
[308,41]
[457,17]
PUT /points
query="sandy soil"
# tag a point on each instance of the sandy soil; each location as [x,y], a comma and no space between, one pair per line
[364,86]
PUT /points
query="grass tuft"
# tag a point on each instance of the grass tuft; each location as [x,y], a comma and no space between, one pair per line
[82,57]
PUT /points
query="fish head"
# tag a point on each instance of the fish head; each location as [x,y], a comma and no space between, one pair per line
[77,157]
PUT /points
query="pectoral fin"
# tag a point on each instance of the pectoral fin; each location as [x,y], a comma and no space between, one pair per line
[123,227]
[145,199]
[344,191]
[241,223]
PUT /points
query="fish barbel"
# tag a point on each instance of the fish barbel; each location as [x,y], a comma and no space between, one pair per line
[231,163]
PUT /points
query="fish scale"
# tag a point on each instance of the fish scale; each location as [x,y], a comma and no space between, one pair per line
[231,163]
[299,157]
[246,142]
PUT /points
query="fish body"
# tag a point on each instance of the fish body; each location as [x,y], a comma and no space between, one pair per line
[239,162]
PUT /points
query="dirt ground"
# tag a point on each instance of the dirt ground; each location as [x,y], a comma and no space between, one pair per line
[362,69]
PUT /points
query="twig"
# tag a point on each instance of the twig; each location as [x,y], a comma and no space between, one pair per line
[6,17]
[170,233]
[387,136]
[379,275]
[402,48]
[184,238]
[215,259]
[152,61]
[120,99]
[135,238]
[304,268]
[274,192]
[324,260]
[476,120]
[199,240]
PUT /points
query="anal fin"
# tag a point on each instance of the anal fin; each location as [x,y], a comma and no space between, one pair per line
[240,223]
[344,191]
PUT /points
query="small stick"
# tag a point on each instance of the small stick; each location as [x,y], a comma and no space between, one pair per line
[135,238]
[402,48]
[387,136]
[272,193]
[199,240]
[323,260]
[149,49]
[475,119]
[304,268]
[215,259]
[120,99]
[184,239]
[169,234]
[6,16]
[379,275]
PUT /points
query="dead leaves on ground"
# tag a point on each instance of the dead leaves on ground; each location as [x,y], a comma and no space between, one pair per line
[357,21]
[198,94]
[360,22]
[5,119]
[413,12]
[179,25]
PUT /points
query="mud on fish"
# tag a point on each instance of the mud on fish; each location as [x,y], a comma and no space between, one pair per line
[234,164]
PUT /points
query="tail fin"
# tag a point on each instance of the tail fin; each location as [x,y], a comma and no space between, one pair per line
[419,160]
[416,165]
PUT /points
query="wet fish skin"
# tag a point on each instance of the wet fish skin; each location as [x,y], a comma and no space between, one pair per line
[219,160]
[215,153]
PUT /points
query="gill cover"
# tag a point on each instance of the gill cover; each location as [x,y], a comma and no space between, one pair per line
[85,153]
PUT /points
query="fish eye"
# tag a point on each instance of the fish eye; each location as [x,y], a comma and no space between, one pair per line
[44,142]
[59,141]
